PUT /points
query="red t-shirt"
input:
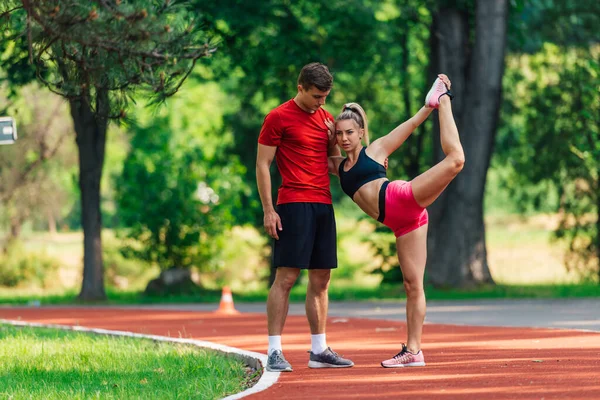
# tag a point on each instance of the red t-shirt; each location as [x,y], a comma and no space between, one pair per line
[301,141]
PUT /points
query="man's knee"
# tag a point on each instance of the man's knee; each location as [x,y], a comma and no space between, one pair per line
[319,279]
[286,277]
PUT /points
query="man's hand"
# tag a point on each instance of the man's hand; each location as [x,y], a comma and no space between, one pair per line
[272,224]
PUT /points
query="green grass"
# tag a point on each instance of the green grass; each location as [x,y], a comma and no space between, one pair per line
[338,291]
[341,292]
[54,364]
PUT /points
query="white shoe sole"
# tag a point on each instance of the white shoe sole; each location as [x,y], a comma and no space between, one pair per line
[416,364]
[316,364]
[279,370]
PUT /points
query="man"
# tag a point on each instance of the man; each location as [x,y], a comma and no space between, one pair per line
[303,225]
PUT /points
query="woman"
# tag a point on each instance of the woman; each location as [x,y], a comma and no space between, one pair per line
[399,205]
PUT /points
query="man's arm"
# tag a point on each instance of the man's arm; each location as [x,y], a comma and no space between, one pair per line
[264,159]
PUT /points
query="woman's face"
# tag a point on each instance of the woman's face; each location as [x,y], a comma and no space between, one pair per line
[348,134]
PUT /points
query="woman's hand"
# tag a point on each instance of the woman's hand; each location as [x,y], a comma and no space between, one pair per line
[330,132]
[445,79]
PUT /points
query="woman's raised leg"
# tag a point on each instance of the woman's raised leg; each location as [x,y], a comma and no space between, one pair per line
[428,186]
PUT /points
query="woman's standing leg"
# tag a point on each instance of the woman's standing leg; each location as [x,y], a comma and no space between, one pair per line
[412,255]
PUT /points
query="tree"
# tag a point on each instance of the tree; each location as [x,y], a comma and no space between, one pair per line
[469,46]
[30,170]
[562,149]
[98,54]
[265,44]
[549,136]
[376,51]
[180,187]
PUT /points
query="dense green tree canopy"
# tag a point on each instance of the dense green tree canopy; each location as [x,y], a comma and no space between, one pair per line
[96,54]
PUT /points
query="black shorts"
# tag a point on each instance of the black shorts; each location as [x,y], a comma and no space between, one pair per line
[308,238]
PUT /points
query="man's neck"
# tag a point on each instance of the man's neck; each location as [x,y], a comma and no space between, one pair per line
[302,107]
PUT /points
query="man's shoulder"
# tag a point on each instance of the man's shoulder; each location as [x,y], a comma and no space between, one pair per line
[326,113]
[282,108]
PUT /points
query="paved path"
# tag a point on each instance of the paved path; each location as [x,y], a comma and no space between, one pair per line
[539,313]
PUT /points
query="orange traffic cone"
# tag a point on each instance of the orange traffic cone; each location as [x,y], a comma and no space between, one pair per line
[226,305]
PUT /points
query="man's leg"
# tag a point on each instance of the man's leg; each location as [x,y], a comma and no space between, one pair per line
[324,256]
[279,299]
[317,303]
[277,310]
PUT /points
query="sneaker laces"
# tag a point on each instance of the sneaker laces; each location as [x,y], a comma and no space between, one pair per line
[403,355]
[277,357]
[334,353]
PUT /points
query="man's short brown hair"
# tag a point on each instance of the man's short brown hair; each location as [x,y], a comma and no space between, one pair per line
[317,75]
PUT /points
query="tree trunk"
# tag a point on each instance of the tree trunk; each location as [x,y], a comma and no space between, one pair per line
[51,223]
[90,127]
[411,161]
[598,227]
[457,251]
[15,228]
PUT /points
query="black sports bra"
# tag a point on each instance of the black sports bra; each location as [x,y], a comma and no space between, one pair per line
[365,170]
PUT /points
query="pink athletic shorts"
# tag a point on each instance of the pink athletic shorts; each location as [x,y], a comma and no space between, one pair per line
[398,208]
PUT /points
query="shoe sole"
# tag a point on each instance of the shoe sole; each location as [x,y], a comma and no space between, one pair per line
[316,364]
[431,91]
[416,364]
[278,370]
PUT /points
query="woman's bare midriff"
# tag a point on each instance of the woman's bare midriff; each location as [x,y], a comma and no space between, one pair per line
[367,197]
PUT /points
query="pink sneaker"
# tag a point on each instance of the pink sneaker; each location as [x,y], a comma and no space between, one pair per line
[438,89]
[405,359]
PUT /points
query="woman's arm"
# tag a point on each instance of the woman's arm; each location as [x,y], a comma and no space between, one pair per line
[386,145]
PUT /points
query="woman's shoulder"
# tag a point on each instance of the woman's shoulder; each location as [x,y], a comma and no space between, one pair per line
[374,153]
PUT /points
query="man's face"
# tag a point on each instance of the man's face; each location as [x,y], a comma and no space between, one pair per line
[312,99]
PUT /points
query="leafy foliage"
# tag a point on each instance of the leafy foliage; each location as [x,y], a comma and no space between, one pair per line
[96,55]
[570,23]
[376,52]
[176,198]
[78,47]
[562,149]
[35,171]
[21,267]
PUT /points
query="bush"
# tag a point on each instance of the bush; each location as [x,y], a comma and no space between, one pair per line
[120,271]
[175,198]
[18,267]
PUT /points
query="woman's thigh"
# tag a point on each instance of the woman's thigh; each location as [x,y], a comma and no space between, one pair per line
[412,254]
